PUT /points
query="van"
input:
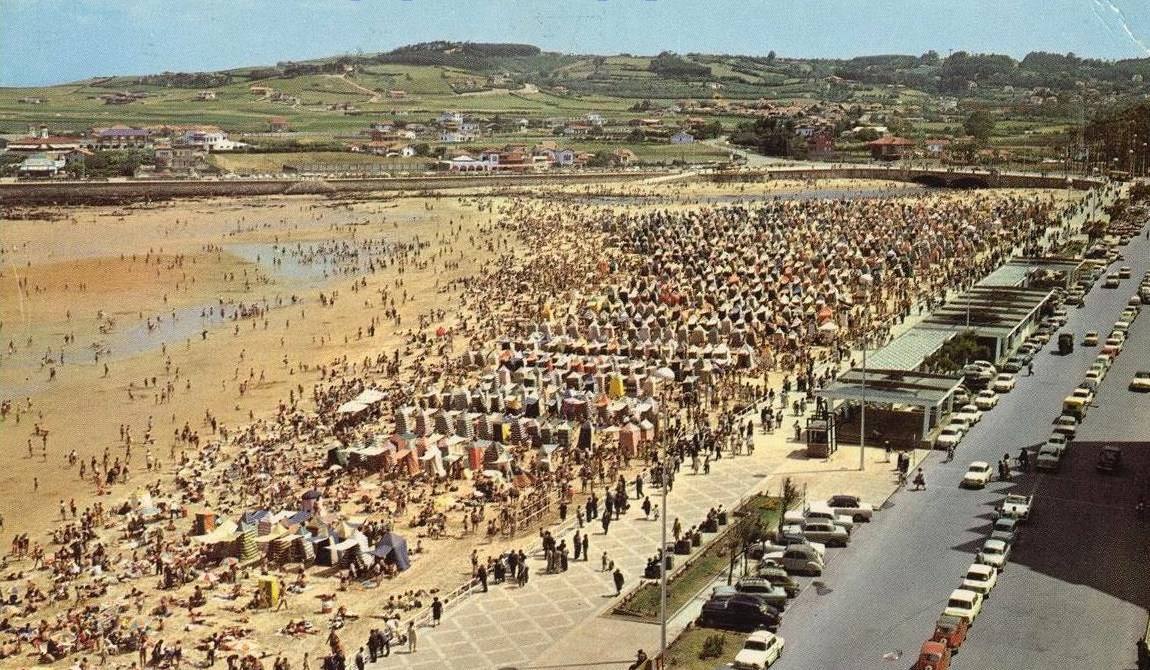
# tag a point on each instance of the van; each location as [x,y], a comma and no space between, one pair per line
[1074,406]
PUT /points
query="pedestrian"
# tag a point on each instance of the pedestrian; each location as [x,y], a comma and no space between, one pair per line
[436,610]
[638,486]
[577,545]
[586,547]
[562,511]
[1030,369]
[919,481]
[646,507]
[411,636]
[606,522]
[360,661]
[618,576]
[606,562]
[481,573]
[949,452]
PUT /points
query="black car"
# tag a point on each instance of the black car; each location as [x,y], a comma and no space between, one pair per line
[1109,460]
[738,612]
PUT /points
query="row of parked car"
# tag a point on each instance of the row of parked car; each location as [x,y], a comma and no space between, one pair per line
[972,405]
[758,599]
[965,603]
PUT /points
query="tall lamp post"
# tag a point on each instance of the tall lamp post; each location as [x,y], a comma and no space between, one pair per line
[867,280]
[667,375]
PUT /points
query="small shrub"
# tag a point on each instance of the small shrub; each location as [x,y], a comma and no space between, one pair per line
[712,647]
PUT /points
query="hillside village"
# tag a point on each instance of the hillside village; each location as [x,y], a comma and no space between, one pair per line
[481,108]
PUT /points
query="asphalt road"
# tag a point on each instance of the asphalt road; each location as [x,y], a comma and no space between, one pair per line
[1073,596]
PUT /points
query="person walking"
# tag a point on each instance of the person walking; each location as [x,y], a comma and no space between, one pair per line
[586,547]
[606,522]
[481,573]
[919,481]
[411,636]
[577,545]
[436,611]
[639,486]
[360,661]
[618,577]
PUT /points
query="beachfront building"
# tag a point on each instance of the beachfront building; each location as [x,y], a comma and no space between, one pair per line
[210,138]
[39,141]
[118,138]
[42,166]
[890,148]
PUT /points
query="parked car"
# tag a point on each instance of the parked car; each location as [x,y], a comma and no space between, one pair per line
[821,530]
[964,604]
[950,630]
[1124,272]
[775,596]
[994,553]
[977,475]
[1090,339]
[933,656]
[1058,441]
[821,511]
[1014,364]
[779,578]
[980,578]
[948,437]
[986,400]
[1048,459]
[739,612]
[971,413]
[760,549]
[1016,506]
[852,506]
[1003,383]
[1006,529]
[1112,281]
[761,649]
[1066,425]
[1109,460]
[798,559]
[1141,381]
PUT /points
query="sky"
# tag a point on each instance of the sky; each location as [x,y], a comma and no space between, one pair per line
[55,41]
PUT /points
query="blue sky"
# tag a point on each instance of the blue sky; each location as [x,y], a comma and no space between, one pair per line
[52,41]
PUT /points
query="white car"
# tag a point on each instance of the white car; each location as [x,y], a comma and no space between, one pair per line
[980,579]
[1049,458]
[1003,383]
[1057,441]
[760,651]
[964,604]
[1066,425]
[1141,381]
[948,437]
[986,400]
[994,553]
[1015,506]
[970,413]
[977,475]
[961,422]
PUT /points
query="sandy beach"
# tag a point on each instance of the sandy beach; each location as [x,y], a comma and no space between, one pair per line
[157,319]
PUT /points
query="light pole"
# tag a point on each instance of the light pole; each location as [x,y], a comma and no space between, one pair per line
[667,375]
[866,279]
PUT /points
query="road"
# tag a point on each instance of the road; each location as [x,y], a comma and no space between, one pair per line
[1069,598]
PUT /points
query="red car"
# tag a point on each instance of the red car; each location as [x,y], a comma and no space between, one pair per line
[950,630]
[934,656]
